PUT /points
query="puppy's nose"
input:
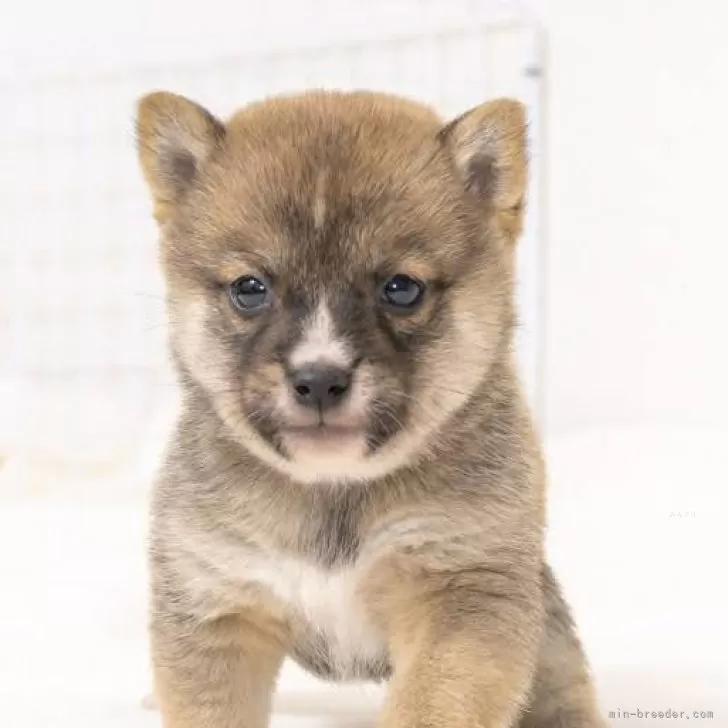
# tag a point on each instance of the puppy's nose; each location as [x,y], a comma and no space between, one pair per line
[320,387]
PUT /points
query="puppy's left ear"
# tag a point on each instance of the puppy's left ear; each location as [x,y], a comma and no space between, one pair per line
[488,145]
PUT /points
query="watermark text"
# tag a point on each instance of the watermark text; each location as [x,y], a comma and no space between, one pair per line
[641,714]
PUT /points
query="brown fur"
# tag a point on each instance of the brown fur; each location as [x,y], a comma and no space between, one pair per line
[420,559]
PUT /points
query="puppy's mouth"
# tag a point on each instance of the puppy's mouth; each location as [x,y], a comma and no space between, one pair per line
[324,440]
[323,431]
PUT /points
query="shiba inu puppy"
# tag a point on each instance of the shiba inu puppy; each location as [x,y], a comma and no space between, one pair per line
[354,481]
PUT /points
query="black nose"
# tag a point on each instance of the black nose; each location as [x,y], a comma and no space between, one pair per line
[320,387]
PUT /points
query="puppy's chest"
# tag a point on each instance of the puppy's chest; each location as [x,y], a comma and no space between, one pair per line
[334,636]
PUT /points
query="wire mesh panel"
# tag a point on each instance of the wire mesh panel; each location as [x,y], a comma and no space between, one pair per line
[83,369]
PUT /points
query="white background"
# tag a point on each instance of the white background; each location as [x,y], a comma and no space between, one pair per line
[637,159]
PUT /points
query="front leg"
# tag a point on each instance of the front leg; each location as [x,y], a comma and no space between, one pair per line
[464,653]
[217,674]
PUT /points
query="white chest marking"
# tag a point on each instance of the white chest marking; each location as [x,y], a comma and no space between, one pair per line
[326,600]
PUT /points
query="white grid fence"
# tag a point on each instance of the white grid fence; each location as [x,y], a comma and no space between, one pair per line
[83,369]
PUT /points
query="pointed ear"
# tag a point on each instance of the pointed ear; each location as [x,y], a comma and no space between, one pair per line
[488,144]
[174,138]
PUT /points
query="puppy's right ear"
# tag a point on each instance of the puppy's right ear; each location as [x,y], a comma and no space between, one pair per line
[174,138]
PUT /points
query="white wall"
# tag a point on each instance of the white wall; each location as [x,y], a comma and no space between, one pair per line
[638,251]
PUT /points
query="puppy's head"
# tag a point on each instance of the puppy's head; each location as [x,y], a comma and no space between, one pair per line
[339,267]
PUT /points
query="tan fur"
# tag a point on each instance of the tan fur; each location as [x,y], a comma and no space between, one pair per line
[417,557]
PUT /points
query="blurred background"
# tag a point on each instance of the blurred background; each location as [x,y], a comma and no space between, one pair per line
[622,296]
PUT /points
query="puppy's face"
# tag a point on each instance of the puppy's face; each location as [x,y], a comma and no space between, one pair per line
[338,268]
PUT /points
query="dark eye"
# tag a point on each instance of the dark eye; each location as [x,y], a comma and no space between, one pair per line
[249,294]
[402,292]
